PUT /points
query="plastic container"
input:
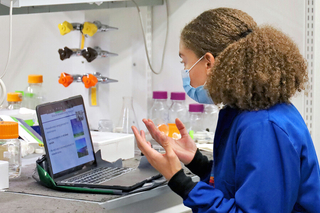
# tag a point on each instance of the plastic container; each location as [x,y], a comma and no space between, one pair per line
[178,109]
[33,95]
[159,111]
[113,145]
[196,120]
[14,100]
[10,147]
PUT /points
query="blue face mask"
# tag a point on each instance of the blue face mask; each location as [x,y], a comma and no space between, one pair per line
[198,94]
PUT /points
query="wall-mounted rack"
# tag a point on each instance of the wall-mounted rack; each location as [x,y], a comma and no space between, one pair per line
[32,6]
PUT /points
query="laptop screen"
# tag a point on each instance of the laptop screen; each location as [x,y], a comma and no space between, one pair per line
[67,136]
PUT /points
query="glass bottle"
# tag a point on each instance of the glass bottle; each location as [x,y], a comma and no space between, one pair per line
[14,100]
[33,95]
[10,147]
[159,111]
[196,121]
[211,112]
[178,109]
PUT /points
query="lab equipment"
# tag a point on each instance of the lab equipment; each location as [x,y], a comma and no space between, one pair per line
[10,147]
[91,28]
[159,112]
[105,125]
[14,100]
[87,28]
[127,118]
[4,175]
[92,53]
[33,94]
[211,112]
[89,53]
[88,79]
[196,121]
[178,109]
[67,27]
[67,53]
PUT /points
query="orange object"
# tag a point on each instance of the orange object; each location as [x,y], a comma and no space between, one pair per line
[89,80]
[172,129]
[65,79]
[14,97]
[35,79]
[163,128]
[9,130]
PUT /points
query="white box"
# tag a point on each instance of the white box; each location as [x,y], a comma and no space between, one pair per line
[4,174]
[113,145]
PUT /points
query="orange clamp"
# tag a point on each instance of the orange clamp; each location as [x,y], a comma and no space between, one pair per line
[89,80]
[65,79]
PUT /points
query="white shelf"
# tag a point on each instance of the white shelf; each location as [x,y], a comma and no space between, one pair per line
[30,3]
[49,6]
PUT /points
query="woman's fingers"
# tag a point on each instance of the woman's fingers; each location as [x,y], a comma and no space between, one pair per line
[154,131]
[182,129]
[143,145]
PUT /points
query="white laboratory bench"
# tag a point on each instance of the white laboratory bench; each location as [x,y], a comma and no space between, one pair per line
[26,195]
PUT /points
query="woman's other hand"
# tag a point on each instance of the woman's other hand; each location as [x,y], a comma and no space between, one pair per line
[185,148]
[167,164]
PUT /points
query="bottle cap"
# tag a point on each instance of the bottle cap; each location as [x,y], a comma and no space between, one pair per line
[14,97]
[34,79]
[9,130]
[196,107]
[180,96]
[160,95]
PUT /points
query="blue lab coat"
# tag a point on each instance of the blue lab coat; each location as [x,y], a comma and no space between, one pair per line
[264,161]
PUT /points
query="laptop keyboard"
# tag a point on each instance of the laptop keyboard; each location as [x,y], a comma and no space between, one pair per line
[98,175]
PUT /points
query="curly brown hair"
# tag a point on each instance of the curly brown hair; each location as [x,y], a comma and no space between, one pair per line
[255,67]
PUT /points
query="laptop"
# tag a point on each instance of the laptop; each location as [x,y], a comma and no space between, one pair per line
[70,154]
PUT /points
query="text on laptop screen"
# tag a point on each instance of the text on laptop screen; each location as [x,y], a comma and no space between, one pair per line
[67,137]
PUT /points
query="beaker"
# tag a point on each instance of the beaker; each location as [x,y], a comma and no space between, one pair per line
[128,117]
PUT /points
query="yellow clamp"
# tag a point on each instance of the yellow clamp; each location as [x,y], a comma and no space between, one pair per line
[89,28]
[65,28]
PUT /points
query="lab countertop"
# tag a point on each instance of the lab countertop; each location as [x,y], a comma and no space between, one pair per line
[26,195]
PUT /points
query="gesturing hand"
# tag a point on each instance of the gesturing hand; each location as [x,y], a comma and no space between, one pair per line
[185,148]
[167,164]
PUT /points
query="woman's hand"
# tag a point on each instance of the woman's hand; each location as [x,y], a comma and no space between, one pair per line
[167,164]
[185,148]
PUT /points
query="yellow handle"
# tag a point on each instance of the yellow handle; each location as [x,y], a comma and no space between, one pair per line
[89,28]
[93,91]
[65,28]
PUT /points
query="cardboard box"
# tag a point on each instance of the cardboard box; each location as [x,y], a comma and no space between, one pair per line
[113,145]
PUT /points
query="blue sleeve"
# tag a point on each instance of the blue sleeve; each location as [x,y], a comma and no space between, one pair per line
[267,169]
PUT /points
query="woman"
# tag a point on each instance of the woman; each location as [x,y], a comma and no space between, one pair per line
[264,158]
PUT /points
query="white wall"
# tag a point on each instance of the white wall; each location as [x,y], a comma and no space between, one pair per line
[287,15]
[36,40]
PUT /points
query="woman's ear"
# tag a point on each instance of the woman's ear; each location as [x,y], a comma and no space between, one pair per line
[209,61]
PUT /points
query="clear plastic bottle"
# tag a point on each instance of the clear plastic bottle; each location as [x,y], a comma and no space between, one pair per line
[178,109]
[10,147]
[159,111]
[196,129]
[14,100]
[33,95]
